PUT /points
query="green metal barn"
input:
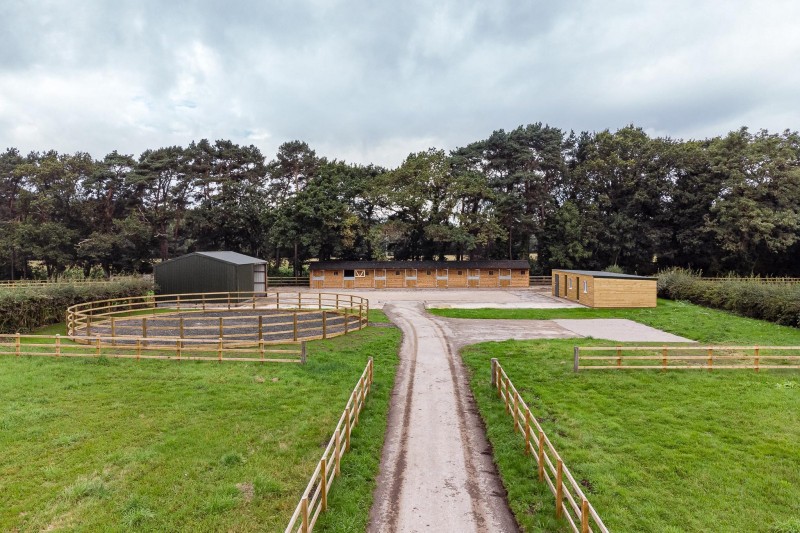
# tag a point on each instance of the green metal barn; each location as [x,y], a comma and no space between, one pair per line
[211,272]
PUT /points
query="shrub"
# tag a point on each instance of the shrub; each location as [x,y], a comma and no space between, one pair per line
[777,303]
[23,309]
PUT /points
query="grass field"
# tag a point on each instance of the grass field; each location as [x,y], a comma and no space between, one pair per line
[116,445]
[666,452]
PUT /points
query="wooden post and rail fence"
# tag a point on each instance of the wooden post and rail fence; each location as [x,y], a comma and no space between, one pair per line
[315,497]
[687,357]
[18,345]
[571,502]
[291,317]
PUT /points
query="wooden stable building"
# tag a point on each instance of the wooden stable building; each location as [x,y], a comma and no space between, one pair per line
[418,274]
[604,289]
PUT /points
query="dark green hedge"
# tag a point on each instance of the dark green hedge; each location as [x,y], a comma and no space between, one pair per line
[23,309]
[778,303]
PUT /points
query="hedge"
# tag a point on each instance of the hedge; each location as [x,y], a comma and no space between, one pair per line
[779,303]
[23,309]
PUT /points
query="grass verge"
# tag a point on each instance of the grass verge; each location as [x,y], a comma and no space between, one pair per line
[116,445]
[675,451]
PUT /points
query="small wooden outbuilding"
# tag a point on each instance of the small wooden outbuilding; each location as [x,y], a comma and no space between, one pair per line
[418,274]
[211,272]
[604,289]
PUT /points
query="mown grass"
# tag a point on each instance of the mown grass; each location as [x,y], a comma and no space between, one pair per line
[116,445]
[654,451]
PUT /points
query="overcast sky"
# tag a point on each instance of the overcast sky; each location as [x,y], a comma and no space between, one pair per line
[373,81]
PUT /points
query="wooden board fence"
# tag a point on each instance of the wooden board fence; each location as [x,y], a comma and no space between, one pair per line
[687,357]
[142,348]
[571,502]
[315,498]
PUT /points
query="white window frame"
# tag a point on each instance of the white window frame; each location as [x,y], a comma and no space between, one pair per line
[585,287]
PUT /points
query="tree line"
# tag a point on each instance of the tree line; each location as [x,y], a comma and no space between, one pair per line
[588,200]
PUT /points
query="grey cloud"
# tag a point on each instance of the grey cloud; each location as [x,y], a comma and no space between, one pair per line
[369,79]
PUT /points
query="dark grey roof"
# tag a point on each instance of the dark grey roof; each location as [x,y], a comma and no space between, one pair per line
[352,265]
[226,257]
[600,274]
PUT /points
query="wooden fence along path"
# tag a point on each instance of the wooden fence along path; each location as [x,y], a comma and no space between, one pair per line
[687,357]
[571,502]
[142,348]
[315,498]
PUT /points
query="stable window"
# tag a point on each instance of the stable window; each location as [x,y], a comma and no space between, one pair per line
[335,272]
[459,272]
[585,287]
[521,272]
[361,273]
[349,274]
[491,272]
[427,272]
[396,272]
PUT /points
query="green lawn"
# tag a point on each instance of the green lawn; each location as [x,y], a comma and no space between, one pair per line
[116,445]
[675,451]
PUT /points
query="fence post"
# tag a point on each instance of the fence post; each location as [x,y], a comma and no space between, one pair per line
[541,456]
[494,372]
[359,399]
[138,349]
[664,358]
[219,350]
[113,331]
[527,431]
[756,361]
[319,297]
[337,439]
[58,345]
[144,327]
[304,515]
[710,358]
[97,345]
[89,324]
[347,428]
[324,326]
[303,354]
[346,318]
[178,348]
[323,484]
[180,327]
[260,327]
[619,355]
[277,300]
[371,373]
[559,488]
[221,331]
[261,349]
[576,357]
[294,326]
[17,344]
[514,407]
[584,515]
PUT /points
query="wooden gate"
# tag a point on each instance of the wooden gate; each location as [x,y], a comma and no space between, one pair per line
[505,277]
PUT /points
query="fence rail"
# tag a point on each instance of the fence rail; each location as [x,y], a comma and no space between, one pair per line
[139,348]
[571,502]
[290,316]
[785,280]
[315,498]
[287,281]
[7,283]
[691,357]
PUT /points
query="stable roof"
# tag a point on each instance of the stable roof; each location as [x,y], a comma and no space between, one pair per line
[352,265]
[233,258]
[601,274]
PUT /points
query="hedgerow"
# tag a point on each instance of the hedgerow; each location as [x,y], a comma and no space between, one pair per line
[779,303]
[23,309]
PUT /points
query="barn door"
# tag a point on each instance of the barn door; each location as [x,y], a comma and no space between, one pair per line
[505,277]
[260,279]
[474,277]
[442,275]
[380,278]
[411,277]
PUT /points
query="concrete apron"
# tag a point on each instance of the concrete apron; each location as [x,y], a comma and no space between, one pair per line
[437,471]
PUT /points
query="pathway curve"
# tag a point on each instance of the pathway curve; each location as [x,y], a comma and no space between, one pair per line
[437,470]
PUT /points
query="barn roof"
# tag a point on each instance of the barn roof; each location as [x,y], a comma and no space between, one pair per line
[233,258]
[352,265]
[601,274]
